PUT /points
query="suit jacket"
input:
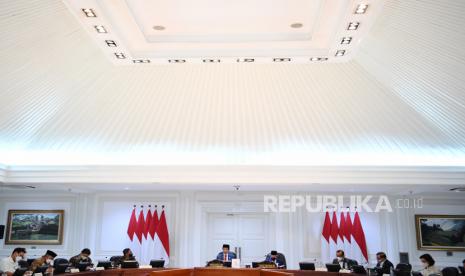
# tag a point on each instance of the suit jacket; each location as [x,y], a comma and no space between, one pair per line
[385,268]
[346,262]
[231,255]
[74,261]
[280,260]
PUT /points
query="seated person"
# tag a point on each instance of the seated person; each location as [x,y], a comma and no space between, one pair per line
[45,260]
[277,258]
[344,262]
[383,265]
[226,255]
[83,257]
[428,265]
[127,256]
[9,264]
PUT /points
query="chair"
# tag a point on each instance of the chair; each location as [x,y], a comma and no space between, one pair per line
[306,266]
[60,265]
[215,263]
[59,261]
[264,264]
[404,267]
[359,269]
[333,267]
[115,259]
[462,270]
[450,271]
[398,272]
[157,263]
[23,264]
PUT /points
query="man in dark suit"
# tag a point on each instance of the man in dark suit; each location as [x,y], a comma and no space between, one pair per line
[226,255]
[384,265]
[344,262]
[277,258]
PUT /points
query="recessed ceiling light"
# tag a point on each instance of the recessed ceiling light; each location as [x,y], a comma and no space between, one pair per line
[141,60]
[100,29]
[340,53]
[120,55]
[281,59]
[245,60]
[158,28]
[89,12]
[318,59]
[297,25]
[211,60]
[346,40]
[362,8]
[110,43]
[353,26]
[176,60]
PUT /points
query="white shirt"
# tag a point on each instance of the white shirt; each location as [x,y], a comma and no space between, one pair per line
[8,265]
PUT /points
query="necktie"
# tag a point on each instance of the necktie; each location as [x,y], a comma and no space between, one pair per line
[225,256]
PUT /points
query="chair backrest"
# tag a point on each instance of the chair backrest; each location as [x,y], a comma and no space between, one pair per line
[359,269]
[23,264]
[214,263]
[306,266]
[59,261]
[462,270]
[450,271]
[398,272]
[157,263]
[115,258]
[333,267]
[404,267]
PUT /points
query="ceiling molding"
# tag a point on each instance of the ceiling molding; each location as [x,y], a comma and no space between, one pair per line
[266,175]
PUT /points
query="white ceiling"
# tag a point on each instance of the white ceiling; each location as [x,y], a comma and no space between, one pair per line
[401,101]
[138,32]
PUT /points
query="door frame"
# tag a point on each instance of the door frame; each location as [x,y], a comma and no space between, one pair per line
[228,207]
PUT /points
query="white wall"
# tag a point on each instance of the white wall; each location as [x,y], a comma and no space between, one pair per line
[99,221]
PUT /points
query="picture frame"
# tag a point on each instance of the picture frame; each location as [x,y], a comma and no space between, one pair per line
[35,227]
[440,232]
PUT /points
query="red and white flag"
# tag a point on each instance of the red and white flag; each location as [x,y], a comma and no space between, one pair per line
[162,240]
[325,236]
[359,244]
[132,224]
[334,242]
[348,234]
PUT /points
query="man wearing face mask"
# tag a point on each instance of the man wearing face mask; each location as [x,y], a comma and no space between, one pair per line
[45,260]
[81,258]
[9,264]
[344,262]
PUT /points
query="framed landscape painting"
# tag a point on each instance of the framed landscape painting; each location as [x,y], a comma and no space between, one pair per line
[34,227]
[440,232]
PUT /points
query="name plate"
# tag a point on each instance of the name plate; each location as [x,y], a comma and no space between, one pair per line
[345,271]
[236,263]
[98,268]
[321,269]
[37,274]
[74,270]
[145,266]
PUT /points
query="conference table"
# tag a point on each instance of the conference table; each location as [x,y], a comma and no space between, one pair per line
[204,271]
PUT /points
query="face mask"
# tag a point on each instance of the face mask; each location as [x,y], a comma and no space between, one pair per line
[83,257]
[48,261]
[339,258]
[425,265]
[18,258]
